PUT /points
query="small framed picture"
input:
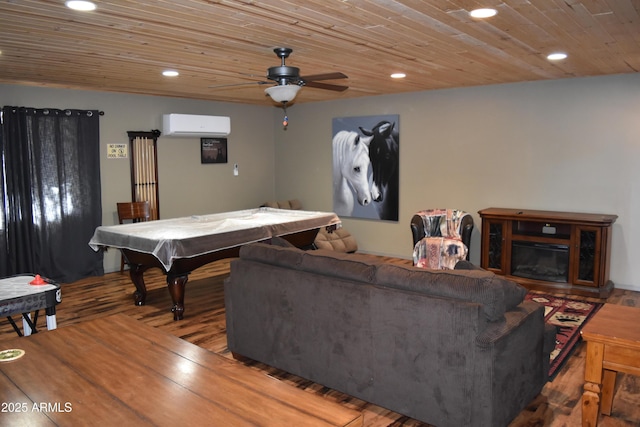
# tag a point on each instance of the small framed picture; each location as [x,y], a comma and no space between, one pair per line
[213,150]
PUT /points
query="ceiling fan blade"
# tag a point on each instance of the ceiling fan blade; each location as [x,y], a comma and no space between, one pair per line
[325,76]
[327,86]
[238,84]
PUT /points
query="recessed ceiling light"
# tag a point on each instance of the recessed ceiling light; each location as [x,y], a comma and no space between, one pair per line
[398,75]
[170,73]
[557,56]
[483,13]
[80,5]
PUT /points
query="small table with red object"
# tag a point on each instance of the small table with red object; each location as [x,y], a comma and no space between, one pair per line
[19,296]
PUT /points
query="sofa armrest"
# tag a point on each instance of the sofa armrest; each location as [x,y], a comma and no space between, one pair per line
[466,228]
[417,229]
[516,345]
[513,318]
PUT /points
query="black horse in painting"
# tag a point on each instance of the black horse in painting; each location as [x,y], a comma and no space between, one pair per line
[383,153]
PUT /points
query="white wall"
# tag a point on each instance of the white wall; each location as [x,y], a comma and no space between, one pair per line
[186,186]
[565,145]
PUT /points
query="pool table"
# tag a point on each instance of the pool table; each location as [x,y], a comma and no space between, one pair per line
[180,245]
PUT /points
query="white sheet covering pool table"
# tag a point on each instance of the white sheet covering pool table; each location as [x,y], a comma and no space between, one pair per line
[186,237]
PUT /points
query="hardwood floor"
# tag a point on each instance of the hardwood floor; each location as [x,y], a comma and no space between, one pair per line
[204,325]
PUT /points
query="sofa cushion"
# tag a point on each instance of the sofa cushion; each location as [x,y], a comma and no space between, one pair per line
[494,293]
[513,292]
[338,264]
[274,255]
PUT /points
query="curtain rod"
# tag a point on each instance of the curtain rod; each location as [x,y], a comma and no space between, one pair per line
[47,111]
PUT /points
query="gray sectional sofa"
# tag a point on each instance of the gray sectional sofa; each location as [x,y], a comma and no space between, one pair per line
[450,348]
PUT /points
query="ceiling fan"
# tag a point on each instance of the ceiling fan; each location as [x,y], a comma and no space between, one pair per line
[288,80]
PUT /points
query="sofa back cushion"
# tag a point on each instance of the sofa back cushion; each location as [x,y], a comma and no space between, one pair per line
[272,254]
[338,264]
[496,294]
[326,262]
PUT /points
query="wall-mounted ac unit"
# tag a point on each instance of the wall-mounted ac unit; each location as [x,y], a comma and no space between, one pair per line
[187,125]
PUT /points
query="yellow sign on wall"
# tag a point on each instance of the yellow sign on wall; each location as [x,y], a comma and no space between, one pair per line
[117,151]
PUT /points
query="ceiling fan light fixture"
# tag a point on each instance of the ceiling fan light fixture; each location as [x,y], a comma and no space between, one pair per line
[282,93]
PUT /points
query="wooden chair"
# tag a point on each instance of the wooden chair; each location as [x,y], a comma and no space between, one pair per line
[135,212]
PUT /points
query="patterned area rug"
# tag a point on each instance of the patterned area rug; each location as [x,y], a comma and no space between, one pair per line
[568,316]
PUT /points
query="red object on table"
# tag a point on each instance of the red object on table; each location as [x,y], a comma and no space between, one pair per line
[38,281]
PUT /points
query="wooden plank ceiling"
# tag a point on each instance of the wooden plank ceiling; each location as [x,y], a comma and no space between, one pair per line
[123,46]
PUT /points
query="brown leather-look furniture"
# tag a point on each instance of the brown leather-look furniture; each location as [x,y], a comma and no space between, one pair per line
[339,240]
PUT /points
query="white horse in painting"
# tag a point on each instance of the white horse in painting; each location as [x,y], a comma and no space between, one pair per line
[350,171]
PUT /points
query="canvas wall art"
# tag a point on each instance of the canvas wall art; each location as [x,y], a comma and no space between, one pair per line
[366,167]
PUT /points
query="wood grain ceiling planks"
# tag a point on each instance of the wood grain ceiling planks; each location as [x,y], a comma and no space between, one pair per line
[124,45]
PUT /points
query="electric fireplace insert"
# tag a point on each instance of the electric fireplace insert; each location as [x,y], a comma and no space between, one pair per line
[540,261]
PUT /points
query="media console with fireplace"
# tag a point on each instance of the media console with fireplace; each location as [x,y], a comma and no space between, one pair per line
[552,251]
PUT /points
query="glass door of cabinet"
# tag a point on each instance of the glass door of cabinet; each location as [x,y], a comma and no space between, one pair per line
[586,265]
[493,250]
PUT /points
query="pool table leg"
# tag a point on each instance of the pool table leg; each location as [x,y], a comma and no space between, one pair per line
[136,272]
[176,284]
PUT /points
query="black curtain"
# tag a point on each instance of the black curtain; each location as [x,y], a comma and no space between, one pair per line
[50,192]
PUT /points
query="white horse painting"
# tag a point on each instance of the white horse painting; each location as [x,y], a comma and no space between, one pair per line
[350,171]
